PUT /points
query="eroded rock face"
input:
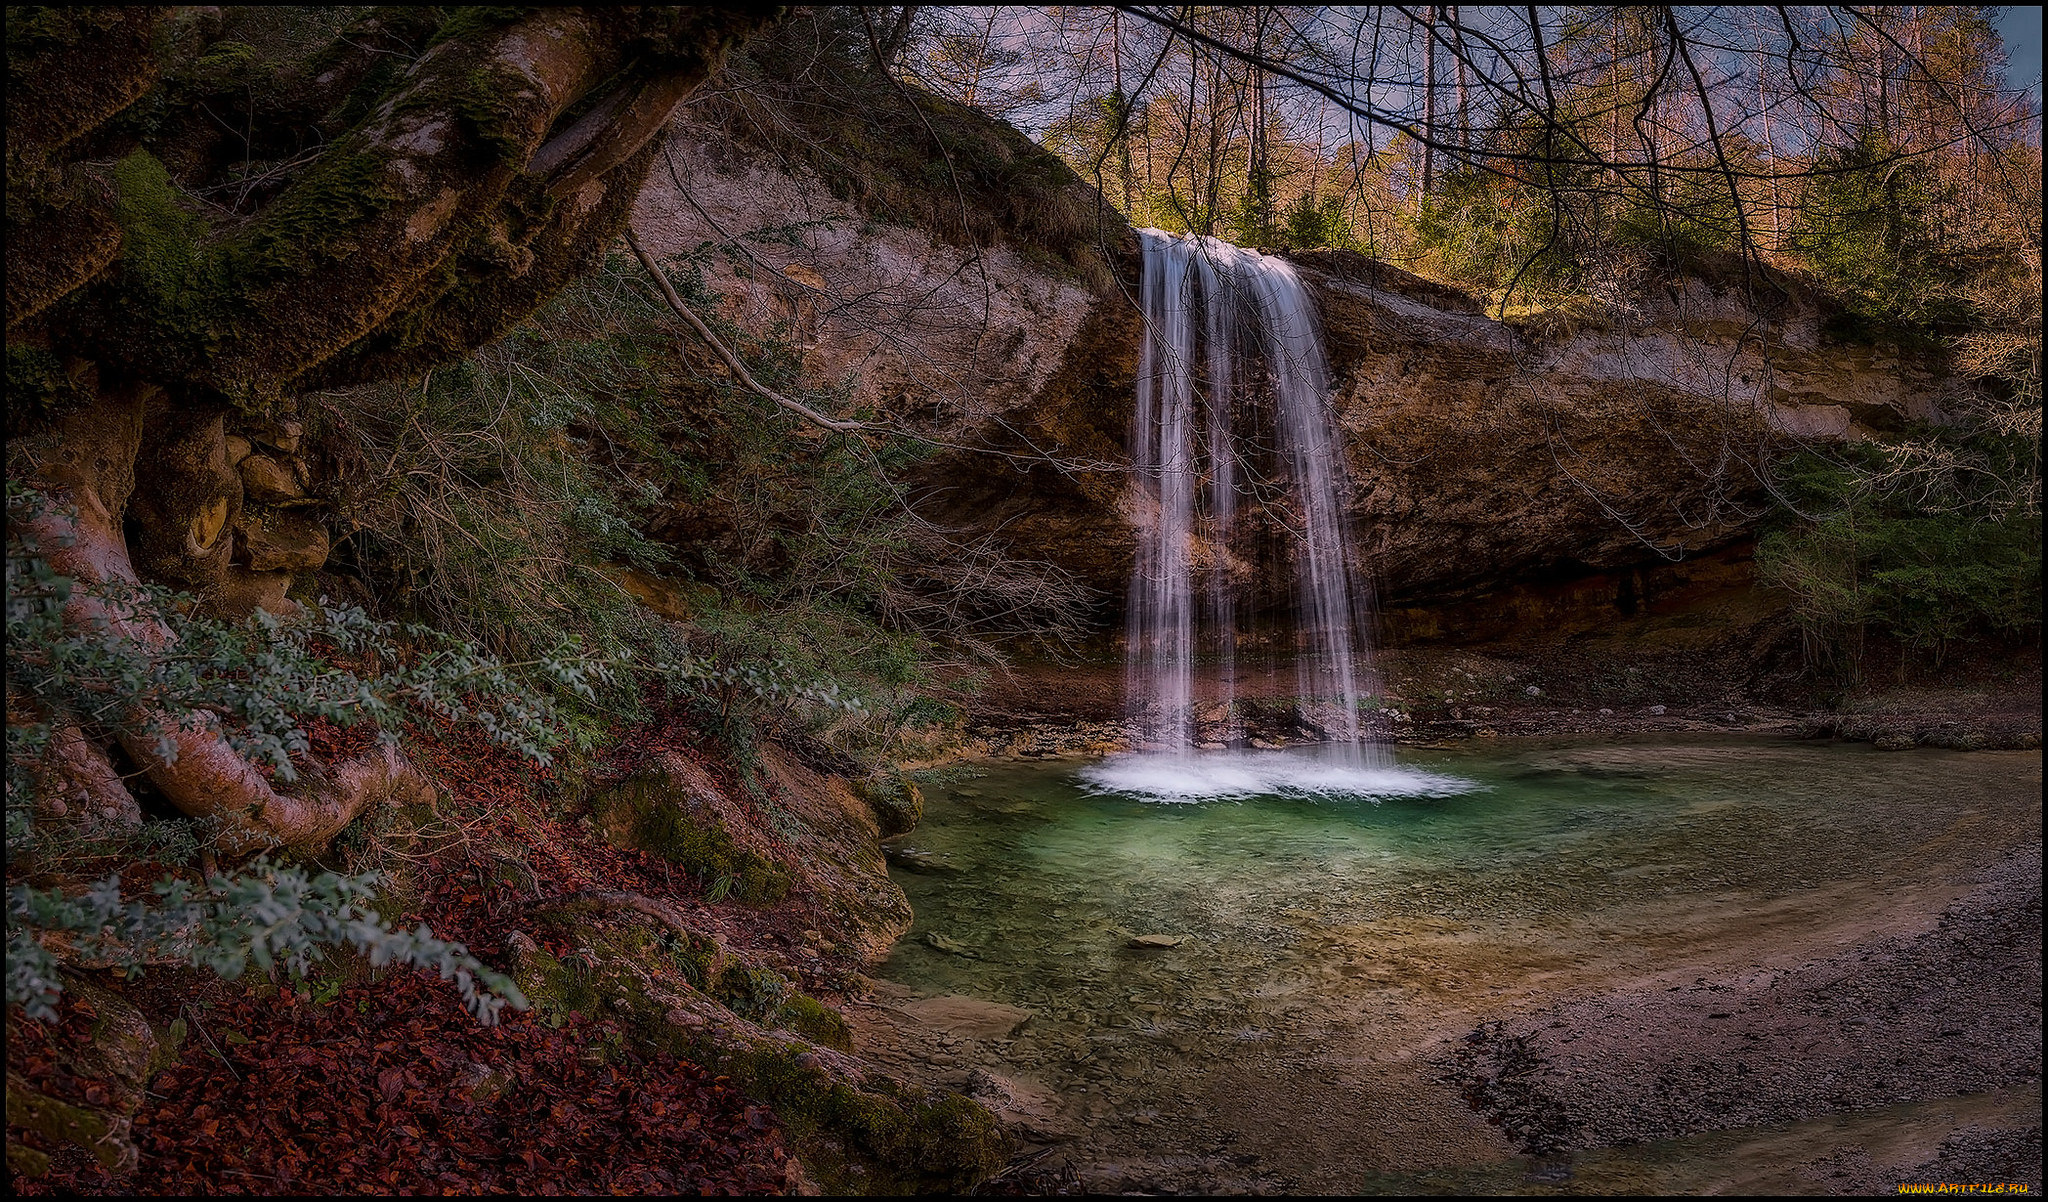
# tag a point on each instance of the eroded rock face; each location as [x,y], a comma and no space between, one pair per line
[1486,458]
[1482,454]
[954,335]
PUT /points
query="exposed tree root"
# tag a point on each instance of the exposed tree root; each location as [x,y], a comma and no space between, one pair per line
[79,533]
[82,787]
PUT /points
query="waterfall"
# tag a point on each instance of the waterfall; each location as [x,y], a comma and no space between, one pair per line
[1228,329]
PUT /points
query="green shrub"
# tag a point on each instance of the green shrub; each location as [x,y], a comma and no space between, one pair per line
[1926,567]
[1871,228]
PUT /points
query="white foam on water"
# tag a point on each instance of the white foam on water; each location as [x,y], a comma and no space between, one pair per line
[1185,777]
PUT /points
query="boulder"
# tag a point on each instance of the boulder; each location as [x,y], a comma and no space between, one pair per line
[266,481]
[896,800]
[273,540]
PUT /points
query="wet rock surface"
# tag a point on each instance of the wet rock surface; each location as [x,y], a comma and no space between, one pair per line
[1640,677]
[1520,474]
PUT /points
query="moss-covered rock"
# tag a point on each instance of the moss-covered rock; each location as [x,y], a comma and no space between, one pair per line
[815,1021]
[166,269]
[104,1135]
[873,1135]
[896,800]
[857,1130]
[658,814]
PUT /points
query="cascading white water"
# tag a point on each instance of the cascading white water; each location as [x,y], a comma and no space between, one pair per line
[1258,339]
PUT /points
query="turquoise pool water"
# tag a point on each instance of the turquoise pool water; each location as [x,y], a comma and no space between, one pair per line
[1167,951]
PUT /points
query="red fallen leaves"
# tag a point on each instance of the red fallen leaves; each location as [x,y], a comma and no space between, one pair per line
[330,742]
[394,1089]
[501,797]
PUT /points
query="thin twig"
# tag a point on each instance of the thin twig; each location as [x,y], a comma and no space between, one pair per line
[739,369]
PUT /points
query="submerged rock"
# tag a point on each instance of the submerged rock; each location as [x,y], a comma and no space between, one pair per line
[972,1017]
[1156,941]
[910,859]
[951,947]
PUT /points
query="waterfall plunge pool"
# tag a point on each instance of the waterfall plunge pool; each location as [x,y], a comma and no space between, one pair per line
[1266,991]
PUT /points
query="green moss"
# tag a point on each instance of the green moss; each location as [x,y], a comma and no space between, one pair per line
[480,102]
[651,814]
[309,225]
[875,1139]
[163,262]
[26,1161]
[479,99]
[474,19]
[175,292]
[699,959]
[62,1122]
[225,64]
[557,990]
[424,323]
[896,800]
[815,1021]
